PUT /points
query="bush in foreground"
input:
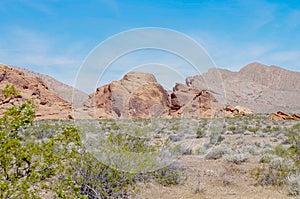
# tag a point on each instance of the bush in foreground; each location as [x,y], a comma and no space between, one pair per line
[51,159]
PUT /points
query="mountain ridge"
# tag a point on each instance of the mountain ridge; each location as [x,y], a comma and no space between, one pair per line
[257,86]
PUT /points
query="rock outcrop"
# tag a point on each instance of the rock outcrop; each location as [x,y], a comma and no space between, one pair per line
[47,104]
[237,111]
[190,102]
[138,95]
[66,92]
[283,116]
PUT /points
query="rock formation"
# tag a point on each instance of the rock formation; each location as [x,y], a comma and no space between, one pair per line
[237,111]
[283,116]
[47,104]
[66,92]
[193,103]
[138,95]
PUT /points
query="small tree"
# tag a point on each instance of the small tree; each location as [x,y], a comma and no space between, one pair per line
[29,165]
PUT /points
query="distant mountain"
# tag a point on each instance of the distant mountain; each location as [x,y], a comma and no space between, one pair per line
[64,91]
[256,86]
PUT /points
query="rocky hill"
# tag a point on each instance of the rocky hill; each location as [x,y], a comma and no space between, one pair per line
[48,104]
[139,95]
[66,92]
[261,88]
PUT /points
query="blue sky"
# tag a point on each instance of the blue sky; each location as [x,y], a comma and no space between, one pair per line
[54,37]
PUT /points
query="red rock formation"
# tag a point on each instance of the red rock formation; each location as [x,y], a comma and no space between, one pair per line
[136,95]
[194,103]
[47,104]
[283,116]
[237,111]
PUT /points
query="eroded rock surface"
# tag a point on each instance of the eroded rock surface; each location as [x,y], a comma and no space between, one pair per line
[138,95]
[283,116]
[47,103]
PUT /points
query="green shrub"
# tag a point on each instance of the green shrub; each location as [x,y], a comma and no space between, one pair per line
[10,91]
[28,164]
[200,133]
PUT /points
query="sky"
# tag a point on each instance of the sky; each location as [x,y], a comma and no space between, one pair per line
[56,37]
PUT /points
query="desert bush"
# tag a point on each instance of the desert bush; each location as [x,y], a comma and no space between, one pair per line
[218,152]
[236,158]
[48,156]
[200,133]
[283,161]
[293,184]
[215,138]
[253,149]
[228,179]
[28,165]
[98,180]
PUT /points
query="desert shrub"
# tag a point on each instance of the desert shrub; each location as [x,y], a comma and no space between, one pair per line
[218,152]
[253,149]
[215,138]
[283,161]
[232,128]
[98,180]
[10,91]
[266,158]
[175,128]
[293,184]
[166,176]
[29,165]
[253,129]
[200,133]
[130,143]
[236,158]
[227,179]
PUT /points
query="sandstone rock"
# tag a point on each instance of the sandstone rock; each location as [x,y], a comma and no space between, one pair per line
[149,100]
[194,103]
[47,104]
[237,111]
[283,116]
[136,95]
[66,92]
